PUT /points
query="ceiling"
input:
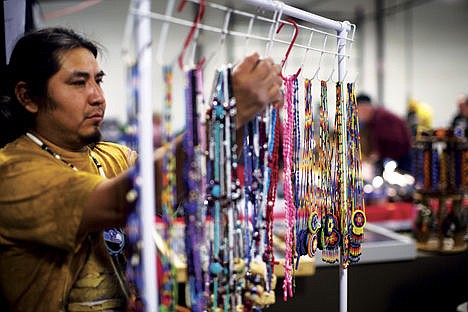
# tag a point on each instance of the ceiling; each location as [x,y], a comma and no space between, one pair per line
[355,11]
[350,9]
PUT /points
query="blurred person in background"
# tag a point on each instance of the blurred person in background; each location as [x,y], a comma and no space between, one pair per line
[384,135]
[461,118]
[419,116]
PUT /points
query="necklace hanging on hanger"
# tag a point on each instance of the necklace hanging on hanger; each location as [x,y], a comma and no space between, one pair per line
[192,177]
[290,210]
[311,219]
[167,274]
[355,181]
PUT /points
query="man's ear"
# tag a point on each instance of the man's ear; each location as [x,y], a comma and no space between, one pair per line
[23,96]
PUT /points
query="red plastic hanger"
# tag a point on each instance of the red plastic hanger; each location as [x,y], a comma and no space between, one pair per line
[201,12]
[291,44]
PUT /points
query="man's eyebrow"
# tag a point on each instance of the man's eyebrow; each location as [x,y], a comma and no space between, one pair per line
[86,75]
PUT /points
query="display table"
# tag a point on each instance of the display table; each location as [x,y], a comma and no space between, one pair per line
[391,276]
[397,216]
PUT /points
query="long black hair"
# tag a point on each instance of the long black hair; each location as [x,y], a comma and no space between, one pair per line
[34,60]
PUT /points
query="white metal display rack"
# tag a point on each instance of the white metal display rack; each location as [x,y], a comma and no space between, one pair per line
[140,17]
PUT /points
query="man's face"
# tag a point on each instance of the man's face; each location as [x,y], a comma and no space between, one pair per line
[463,106]
[365,112]
[75,102]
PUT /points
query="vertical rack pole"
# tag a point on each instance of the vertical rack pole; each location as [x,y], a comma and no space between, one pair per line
[145,130]
[342,68]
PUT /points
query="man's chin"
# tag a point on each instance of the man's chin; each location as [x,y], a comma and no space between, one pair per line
[93,138]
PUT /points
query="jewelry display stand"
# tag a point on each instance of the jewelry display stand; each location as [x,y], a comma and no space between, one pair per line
[138,29]
[440,165]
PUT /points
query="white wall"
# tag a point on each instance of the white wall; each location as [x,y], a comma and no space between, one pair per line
[439,58]
[103,23]
[439,51]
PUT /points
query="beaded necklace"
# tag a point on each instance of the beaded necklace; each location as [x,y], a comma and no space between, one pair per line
[355,183]
[57,156]
[254,153]
[114,238]
[348,161]
[324,153]
[192,179]
[329,236]
[427,168]
[300,171]
[290,210]
[216,188]
[134,268]
[250,161]
[443,169]
[331,229]
[235,263]
[226,269]
[418,165]
[270,187]
[298,181]
[310,167]
[168,292]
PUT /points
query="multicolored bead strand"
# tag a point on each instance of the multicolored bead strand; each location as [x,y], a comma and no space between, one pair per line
[355,183]
[168,292]
[134,269]
[332,226]
[310,215]
[298,182]
[324,156]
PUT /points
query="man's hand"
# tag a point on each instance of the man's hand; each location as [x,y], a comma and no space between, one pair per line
[256,83]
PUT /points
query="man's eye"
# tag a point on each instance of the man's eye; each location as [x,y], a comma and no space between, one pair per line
[99,81]
[79,83]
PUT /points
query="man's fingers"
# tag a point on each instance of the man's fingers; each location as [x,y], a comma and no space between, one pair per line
[277,97]
[250,62]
